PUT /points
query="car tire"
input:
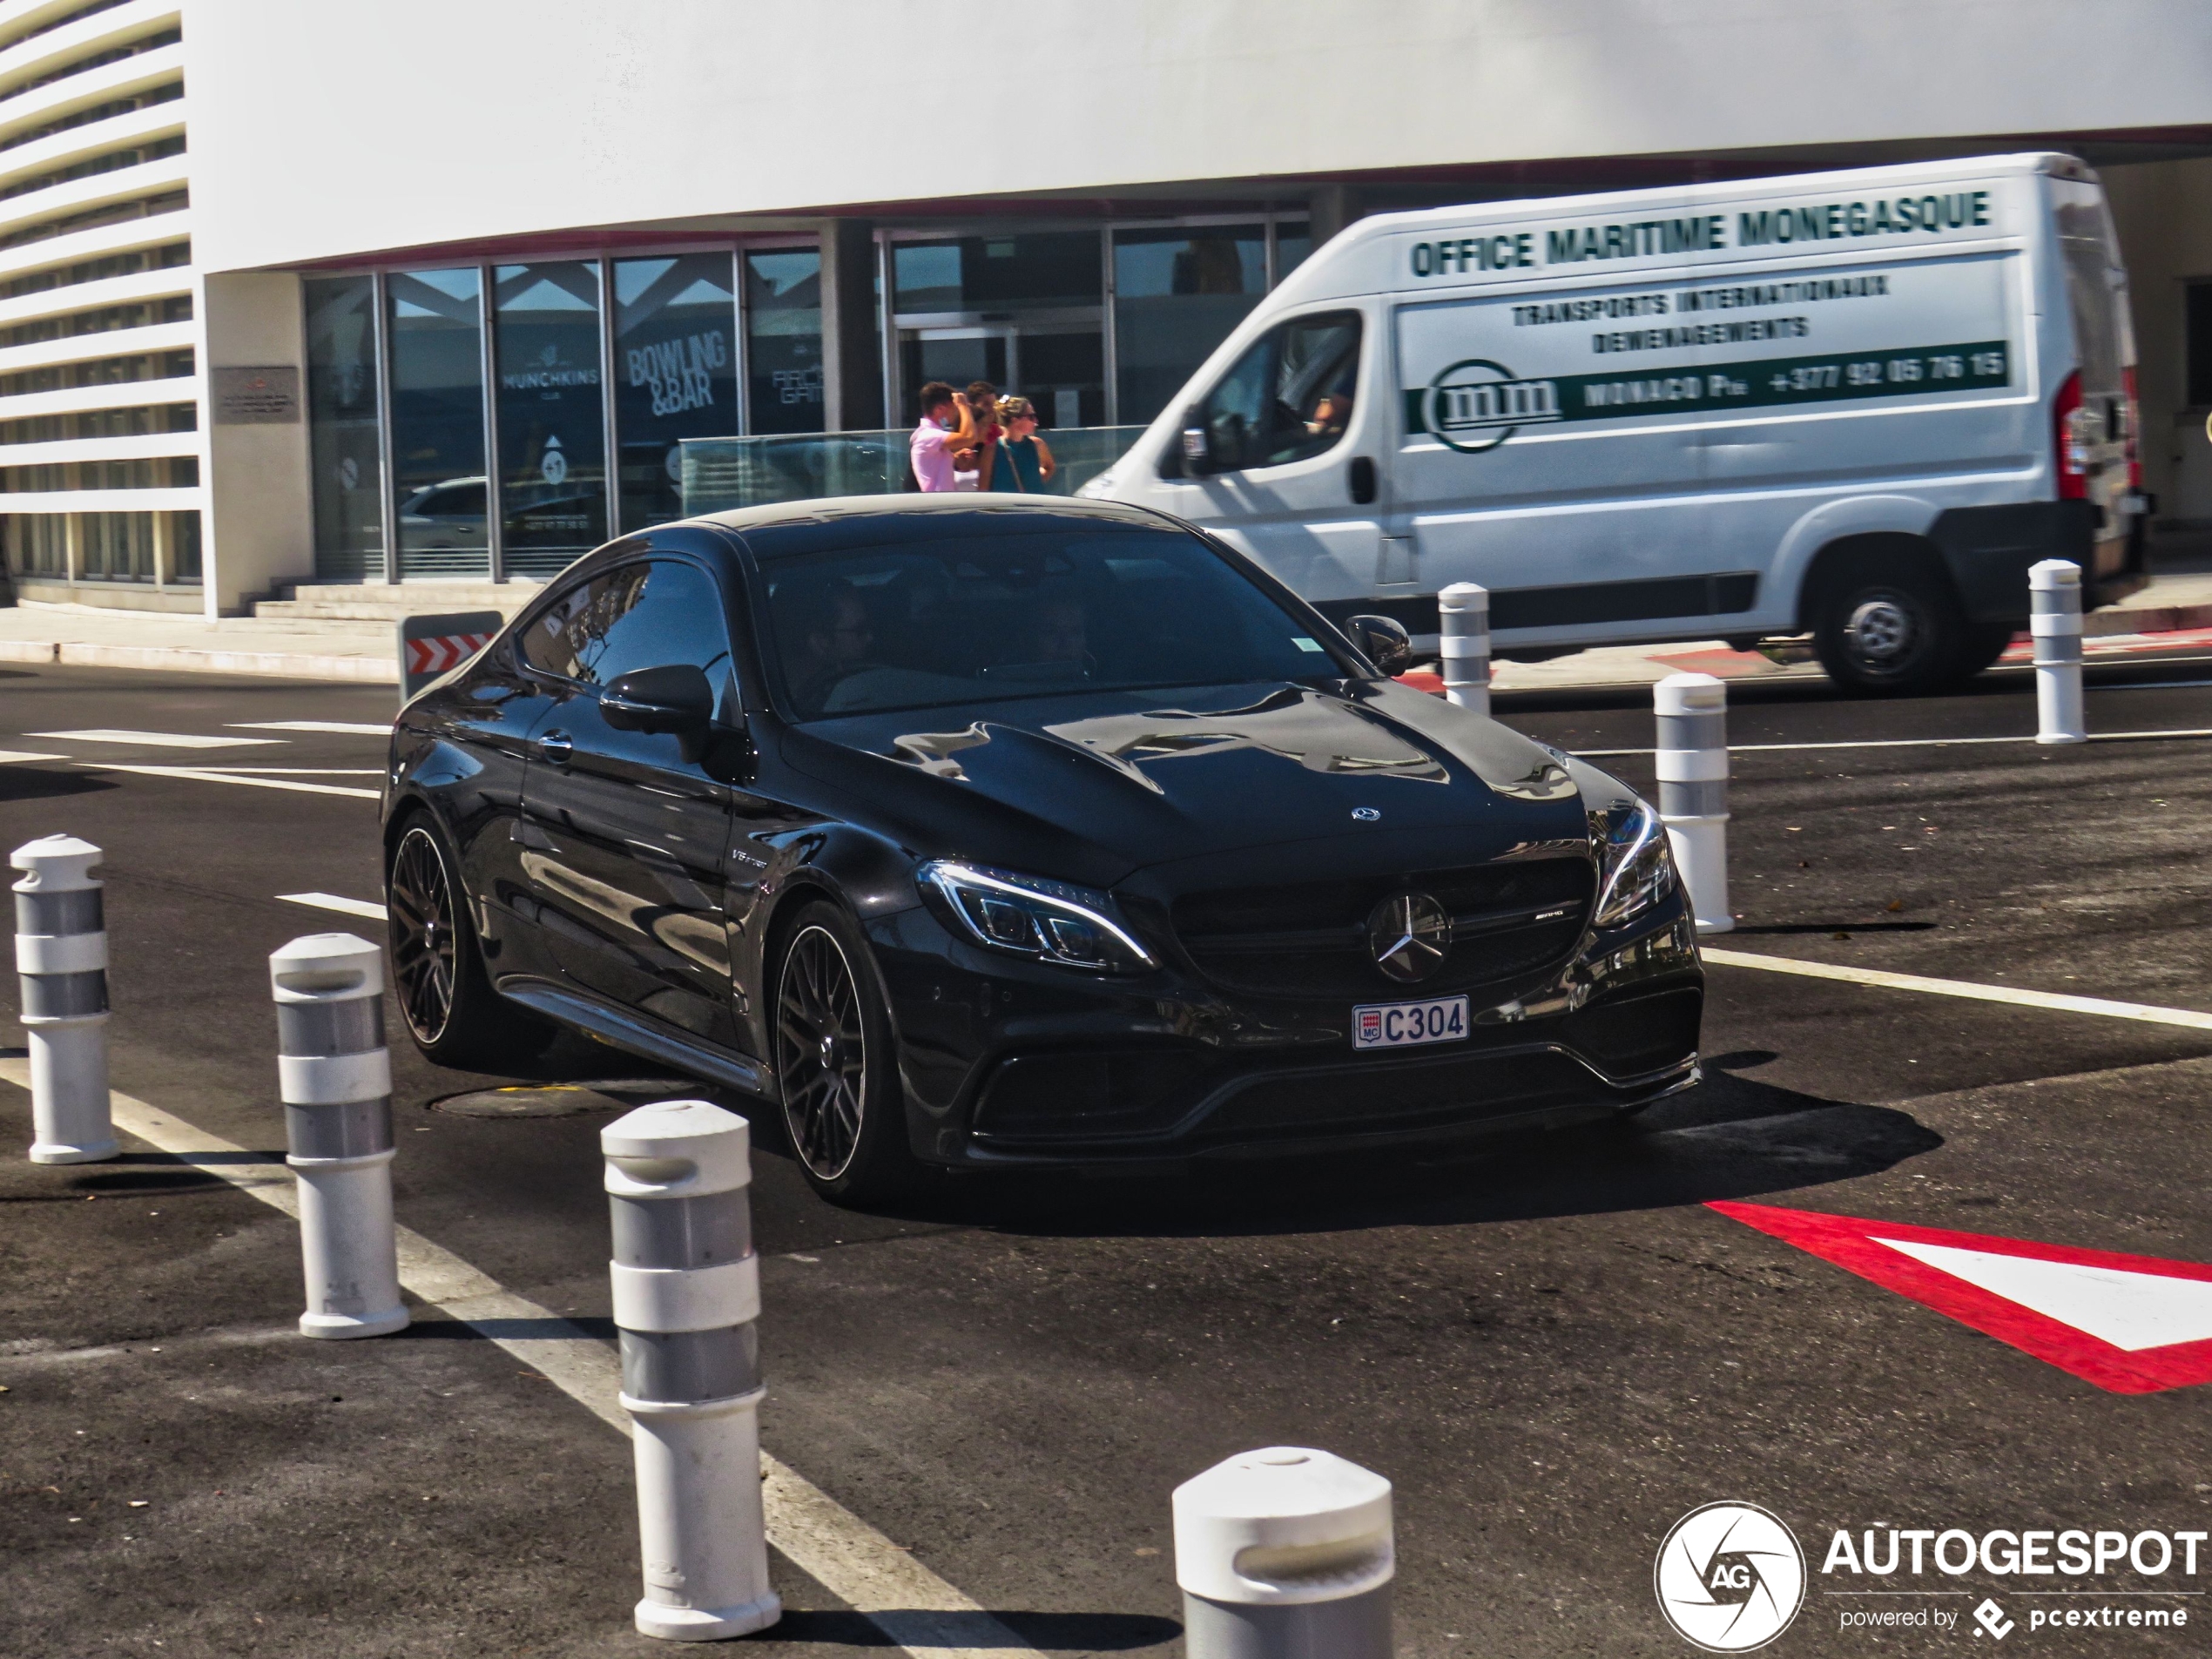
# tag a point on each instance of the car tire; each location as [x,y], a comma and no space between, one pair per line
[445,997]
[1986,643]
[837,1066]
[1885,628]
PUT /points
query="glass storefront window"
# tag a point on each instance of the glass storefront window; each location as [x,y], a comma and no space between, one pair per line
[438,422]
[1040,331]
[341,427]
[676,375]
[38,544]
[1293,243]
[783,297]
[552,423]
[994,272]
[184,547]
[1177,294]
[118,547]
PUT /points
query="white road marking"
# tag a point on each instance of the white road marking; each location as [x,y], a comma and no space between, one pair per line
[1891,743]
[919,1611]
[301,772]
[355,726]
[19,756]
[2129,1310]
[368,907]
[155,740]
[1876,976]
[206,777]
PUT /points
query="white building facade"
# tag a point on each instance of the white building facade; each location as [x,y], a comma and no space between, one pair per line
[101,397]
[456,280]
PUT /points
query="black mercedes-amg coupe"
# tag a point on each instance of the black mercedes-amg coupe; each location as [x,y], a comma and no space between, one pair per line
[995,833]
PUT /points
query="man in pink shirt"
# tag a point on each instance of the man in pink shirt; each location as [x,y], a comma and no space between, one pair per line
[947,424]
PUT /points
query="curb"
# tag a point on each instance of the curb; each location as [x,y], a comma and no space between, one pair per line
[304,665]
[2159,619]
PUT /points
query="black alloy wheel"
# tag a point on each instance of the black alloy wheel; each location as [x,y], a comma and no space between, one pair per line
[452,1012]
[842,1101]
[420,901]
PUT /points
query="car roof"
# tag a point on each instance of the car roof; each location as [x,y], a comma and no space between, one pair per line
[881,509]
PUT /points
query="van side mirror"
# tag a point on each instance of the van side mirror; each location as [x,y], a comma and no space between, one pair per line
[1197,449]
[1386,642]
[677,698]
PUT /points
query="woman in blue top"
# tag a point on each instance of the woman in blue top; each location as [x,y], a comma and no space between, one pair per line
[1021,460]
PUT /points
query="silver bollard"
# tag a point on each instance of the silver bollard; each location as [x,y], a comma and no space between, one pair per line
[1692,758]
[2054,602]
[335,1076]
[686,1296]
[1285,1553]
[1463,612]
[61,953]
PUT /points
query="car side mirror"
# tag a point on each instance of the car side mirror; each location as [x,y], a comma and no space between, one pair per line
[1386,642]
[677,697]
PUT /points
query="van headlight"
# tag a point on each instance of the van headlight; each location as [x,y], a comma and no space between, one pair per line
[1099,488]
[1639,870]
[1027,915]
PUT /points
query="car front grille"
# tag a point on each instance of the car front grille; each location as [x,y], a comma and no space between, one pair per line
[1510,920]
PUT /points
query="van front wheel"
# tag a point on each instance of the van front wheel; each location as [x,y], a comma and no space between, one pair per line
[1889,633]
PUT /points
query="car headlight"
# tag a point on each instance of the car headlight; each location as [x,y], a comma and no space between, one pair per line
[1048,921]
[1639,869]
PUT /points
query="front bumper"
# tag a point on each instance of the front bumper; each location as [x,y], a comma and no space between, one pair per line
[1008,1063]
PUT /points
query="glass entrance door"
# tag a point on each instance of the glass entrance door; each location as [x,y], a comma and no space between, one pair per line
[1059,367]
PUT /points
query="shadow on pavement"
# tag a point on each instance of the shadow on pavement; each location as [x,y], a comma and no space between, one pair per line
[34,783]
[1045,1632]
[1732,1138]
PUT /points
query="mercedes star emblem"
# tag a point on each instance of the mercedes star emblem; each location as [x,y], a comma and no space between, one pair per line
[1410,935]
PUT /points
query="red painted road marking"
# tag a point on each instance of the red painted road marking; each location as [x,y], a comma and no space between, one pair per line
[2131,1325]
[439,652]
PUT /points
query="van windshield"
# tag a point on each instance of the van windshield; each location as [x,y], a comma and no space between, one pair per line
[1031,608]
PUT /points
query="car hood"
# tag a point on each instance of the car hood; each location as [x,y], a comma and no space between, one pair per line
[1091,788]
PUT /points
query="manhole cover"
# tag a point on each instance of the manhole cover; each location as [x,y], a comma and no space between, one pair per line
[563,1100]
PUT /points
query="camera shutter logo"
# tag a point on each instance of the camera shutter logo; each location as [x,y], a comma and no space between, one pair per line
[1730,1577]
[1476,404]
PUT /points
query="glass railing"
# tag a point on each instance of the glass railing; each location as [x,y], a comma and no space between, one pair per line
[721,475]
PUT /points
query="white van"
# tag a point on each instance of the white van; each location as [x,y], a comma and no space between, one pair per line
[1856,405]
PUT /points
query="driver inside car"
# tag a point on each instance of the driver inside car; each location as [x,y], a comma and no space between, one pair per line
[835,637]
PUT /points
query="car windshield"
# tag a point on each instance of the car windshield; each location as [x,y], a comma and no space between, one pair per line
[983,608]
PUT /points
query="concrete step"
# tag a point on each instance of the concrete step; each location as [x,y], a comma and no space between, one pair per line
[378,623]
[359,603]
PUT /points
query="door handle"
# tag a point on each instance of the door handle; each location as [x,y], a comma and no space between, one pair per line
[554,748]
[1362,480]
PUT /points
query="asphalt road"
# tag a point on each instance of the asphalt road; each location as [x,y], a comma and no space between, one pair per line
[1552,1346]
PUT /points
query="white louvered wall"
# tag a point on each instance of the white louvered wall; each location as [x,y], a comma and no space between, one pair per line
[102,454]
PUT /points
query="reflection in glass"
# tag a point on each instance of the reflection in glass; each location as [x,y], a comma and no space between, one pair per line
[1177,295]
[438,422]
[1293,244]
[676,375]
[1045,267]
[341,428]
[552,428]
[783,299]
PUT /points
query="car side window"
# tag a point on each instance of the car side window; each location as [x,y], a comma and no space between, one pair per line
[1289,397]
[646,615]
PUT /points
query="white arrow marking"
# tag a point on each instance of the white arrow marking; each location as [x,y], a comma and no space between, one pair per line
[2131,1311]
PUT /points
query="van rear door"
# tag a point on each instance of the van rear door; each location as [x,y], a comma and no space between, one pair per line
[2094,414]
